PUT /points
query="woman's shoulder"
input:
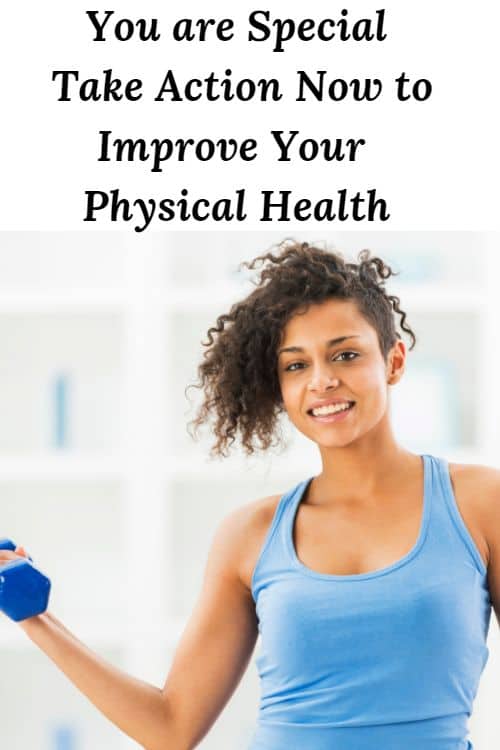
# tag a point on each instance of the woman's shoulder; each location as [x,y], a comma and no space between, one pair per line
[248,525]
[476,488]
[478,483]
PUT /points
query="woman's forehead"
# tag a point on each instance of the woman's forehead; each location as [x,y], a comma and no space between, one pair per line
[331,315]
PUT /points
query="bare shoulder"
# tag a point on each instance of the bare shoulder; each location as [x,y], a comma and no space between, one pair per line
[477,492]
[245,529]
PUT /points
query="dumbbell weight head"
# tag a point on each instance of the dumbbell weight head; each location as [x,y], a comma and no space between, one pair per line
[24,590]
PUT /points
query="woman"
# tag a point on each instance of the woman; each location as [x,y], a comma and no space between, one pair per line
[371,583]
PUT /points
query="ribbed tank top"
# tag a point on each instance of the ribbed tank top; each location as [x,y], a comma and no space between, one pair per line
[385,660]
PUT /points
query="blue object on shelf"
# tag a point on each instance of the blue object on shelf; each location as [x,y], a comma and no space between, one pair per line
[63,738]
[418,267]
[61,404]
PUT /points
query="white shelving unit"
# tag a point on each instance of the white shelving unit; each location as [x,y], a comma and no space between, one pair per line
[122,527]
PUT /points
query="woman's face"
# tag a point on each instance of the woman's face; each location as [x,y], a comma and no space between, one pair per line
[320,370]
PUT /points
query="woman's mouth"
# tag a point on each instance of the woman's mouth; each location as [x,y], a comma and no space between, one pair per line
[334,416]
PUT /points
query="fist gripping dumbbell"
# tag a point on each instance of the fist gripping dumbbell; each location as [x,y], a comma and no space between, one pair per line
[24,591]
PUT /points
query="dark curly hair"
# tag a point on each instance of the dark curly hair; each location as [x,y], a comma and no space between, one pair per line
[239,374]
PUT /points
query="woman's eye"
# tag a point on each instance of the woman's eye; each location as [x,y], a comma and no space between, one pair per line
[293,365]
[349,360]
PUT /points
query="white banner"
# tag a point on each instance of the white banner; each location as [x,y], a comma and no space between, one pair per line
[152,116]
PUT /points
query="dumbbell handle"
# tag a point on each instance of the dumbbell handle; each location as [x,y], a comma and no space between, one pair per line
[24,590]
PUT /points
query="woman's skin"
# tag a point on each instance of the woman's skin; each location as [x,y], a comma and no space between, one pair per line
[366,476]
[361,512]
[360,453]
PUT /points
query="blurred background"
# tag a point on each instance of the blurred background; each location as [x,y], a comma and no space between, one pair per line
[117,504]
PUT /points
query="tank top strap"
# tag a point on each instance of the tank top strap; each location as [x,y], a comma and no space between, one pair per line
[448,533]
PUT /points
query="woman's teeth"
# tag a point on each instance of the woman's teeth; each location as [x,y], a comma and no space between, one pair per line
[333,409]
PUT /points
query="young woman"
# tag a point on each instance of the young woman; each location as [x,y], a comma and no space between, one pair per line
[371,584]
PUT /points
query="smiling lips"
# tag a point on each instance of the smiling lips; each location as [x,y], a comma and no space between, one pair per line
[328,415]
[330,408]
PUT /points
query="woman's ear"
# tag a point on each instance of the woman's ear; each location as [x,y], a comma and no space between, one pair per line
[396,362]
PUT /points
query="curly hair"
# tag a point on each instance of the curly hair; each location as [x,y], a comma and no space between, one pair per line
[239,374]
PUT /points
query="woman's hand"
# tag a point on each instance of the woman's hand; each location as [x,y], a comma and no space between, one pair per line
[9,556]
[6,556]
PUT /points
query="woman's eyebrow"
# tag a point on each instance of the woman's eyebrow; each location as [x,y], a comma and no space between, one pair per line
[331,342]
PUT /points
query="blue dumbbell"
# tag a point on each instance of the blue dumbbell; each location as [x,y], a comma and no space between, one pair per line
[24,591]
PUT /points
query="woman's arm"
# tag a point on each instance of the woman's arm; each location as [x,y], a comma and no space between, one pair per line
[208,664]
[220,637]
[137,708]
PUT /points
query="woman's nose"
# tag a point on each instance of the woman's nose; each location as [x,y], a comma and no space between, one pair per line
[321,380]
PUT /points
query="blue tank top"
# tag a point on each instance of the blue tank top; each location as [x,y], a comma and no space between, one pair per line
[384,660]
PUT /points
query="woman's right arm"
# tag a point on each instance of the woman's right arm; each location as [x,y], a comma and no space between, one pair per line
[208,663]
[218,642]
